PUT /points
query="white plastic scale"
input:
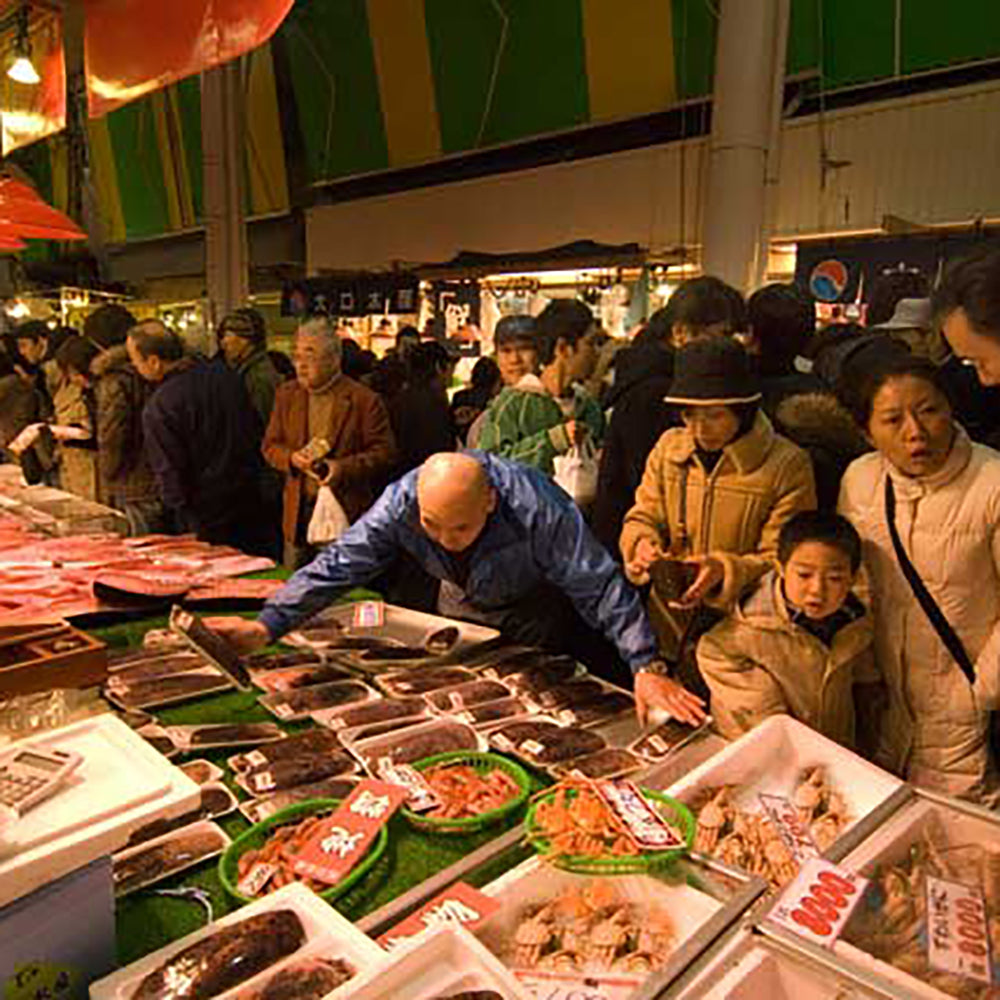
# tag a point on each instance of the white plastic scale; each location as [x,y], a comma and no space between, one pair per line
[119,783]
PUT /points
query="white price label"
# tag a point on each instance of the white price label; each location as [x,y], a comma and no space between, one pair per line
[552,986]
[818,903]
[789,825]
[957,935]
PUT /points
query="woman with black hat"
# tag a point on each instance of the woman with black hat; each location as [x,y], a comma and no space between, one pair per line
[714,495]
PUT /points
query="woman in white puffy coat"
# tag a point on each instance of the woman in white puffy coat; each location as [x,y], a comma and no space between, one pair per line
[946,494]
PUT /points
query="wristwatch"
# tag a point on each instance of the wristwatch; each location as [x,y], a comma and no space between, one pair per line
[657,667]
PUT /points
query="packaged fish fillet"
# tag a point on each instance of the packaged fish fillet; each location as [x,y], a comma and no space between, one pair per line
[312,741]
[237,734]
[136,868]
[257,810]
[292,705]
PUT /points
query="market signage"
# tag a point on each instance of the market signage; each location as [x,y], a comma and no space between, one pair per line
[458,904]
[790,826]
[957,937]
[360,294]
[818,902]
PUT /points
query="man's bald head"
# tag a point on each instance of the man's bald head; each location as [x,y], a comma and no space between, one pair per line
[456,498]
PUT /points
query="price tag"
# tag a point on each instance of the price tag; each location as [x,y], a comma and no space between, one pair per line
[818,903]
[341,840]
[458,904]
[957,935]
[421,796]
[261,872]
[790,827]
[369,614]
[553,986]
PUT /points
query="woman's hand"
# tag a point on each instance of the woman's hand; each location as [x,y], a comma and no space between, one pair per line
[710,575]
[656,691]
[646,552]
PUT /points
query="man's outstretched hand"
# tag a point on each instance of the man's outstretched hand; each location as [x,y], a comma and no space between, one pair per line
[246,635]
[656,691]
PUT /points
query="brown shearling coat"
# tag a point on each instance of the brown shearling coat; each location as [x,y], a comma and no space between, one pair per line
[362,446]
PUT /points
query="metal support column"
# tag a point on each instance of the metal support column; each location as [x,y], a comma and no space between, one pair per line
[748,59]
[222,141]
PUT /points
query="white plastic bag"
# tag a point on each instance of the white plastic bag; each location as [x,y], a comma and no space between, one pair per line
[576,472]
[328,521]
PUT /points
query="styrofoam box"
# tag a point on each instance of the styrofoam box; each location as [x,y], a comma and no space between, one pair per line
[328,934]
[890,845]
[438,962]
[122,784]
[747,967]
[771,759]
[533,882]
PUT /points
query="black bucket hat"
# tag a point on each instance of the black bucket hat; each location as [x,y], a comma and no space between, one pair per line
[714,371]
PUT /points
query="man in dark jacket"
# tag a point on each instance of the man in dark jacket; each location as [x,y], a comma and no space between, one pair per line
[243,340]
[199,430]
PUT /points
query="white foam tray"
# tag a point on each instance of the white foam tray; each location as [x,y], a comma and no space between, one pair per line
[327,934]
[890,845]
[772,757]
[122,784]
[533,882]
[748,967]
[438,962]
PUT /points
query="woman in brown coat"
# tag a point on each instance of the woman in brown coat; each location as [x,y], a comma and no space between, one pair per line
[716,491]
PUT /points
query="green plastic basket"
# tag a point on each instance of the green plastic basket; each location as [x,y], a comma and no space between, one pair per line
[257,836]
[483,763]
[673,811]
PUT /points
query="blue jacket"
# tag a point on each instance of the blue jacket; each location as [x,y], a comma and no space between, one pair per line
[536,534]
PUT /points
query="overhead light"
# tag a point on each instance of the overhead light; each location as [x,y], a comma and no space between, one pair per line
[23,70]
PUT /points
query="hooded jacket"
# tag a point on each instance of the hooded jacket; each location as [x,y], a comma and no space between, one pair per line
[535,535]
[734,513]
[639,416]
[525,423]
[124,474]
[758,662]
[261,381]
[936,726]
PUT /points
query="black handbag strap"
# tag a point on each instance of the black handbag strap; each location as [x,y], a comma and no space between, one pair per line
[930,607]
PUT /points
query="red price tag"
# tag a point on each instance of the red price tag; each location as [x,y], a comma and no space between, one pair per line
[818,903]
[958,940]
[341,840]
[458,904]
[369,614]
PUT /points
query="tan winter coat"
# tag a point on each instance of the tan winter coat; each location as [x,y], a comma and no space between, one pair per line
[935,730]
[734,513]
[758,662]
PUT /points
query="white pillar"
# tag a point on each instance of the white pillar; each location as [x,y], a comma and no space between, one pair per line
[222,143]
[748,58]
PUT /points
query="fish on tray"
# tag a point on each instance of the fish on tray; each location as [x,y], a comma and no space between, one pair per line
[281,774]
[466,695]
[422,681]
[411,746]
[494,711]
[306,675]
[312,741]
[224,959]
[161,860]
[278,661]
[590,710]
[178,687]
[384,710]
[580,692]
[216,800]
[611,762]
[257,810]
[442,641]
[310,979]
[311,699]
[234,734]
[157,666]
[558,667]
[374,729]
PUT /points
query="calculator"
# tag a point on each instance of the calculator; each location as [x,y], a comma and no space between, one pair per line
[30,775]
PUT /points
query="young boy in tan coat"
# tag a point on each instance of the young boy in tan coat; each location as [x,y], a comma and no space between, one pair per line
[800,642]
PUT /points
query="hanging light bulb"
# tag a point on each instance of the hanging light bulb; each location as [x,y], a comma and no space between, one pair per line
[22,70]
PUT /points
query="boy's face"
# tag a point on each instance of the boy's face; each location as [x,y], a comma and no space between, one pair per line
[818,579]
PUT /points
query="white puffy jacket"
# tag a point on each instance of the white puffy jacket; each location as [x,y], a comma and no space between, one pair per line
[935,731]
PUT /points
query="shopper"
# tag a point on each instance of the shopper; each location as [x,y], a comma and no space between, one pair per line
[705,307]
[544,415]
[800,643]
[75,419]
[967,307]
[926,507]
[32,340]
[715,492]
[467,405]
[325,428]
[243,340]
[199,432]
[509,547]
[125,478]
[419,412]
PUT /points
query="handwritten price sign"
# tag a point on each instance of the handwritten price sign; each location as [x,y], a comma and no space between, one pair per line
[957,938]
[818,903]
[551,986]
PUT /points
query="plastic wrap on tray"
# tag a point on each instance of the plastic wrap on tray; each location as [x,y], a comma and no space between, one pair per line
[225,735]
[301,676]
[201,772]
[417,742]
[158,859]
[279,661]
[357,734]
[168,690]
[157,666]
[289,772]
[299,703]
[384,710]
[257,810]
[665,739]
[215,800]
[544,743]
[303,979]
[611,762]
[597,710]
[584,691]
[478,692]
[554,668]
[423,680]
[312,741]
[494,712]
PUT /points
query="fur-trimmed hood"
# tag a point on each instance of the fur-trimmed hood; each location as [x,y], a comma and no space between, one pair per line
[817,419]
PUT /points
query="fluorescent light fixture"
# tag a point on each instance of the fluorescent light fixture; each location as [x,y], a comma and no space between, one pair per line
[23,71]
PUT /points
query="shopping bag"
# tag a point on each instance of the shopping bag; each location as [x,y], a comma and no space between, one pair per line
[328,521]
[576,472]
